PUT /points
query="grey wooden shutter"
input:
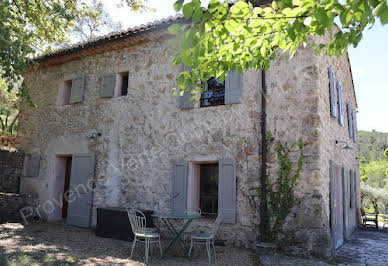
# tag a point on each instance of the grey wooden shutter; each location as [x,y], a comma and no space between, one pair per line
[33,166]
[227,190]
[355,197]
[332,195]
[185,101]
[333,93]
[179,187]
[350,121]
[354,119]
[233,88]
[77,90]
[81,190]
[340,106]
[351,189]
[108,83]
[345,197]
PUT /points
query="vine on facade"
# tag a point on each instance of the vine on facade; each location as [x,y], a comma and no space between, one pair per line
[280,193]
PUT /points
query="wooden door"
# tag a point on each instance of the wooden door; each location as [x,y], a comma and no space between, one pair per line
[337,210]
[81,190]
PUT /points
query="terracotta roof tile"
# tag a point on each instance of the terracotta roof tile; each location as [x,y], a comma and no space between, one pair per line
[114,36]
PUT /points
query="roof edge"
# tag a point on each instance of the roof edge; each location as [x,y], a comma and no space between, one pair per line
[113,37]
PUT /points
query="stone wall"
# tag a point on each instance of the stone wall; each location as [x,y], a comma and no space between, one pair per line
[11,204]
[298,107]
[331,130]
[292,108]
[145,132]
[11,164]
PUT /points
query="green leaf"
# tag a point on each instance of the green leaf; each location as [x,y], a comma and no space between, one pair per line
[232,25]
[382,12]
[174,29]
[178,5]
[322,17]
[240,9]
[188,10]
[274,5]
[197,15]
[190,40]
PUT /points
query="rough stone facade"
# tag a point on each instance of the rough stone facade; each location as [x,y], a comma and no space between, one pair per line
[11,204]
[145,132]
[11,164]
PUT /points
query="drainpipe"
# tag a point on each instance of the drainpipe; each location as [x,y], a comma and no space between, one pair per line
[263,173]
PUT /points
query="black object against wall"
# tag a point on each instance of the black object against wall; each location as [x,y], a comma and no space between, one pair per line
[114,223]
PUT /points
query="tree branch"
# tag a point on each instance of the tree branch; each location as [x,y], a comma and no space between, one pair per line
[17,6]
[13,122]
[2,124]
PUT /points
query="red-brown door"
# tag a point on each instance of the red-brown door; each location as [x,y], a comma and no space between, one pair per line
[66,187]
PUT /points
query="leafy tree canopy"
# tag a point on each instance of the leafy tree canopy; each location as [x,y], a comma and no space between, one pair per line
[226,38]
[28,27]
[375,173]
[8,109]
[372,145]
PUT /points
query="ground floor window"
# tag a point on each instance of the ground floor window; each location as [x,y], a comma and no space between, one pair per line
[209,188]
[206,185]
[202,189]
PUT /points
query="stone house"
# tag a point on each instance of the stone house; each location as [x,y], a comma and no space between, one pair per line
[107,119]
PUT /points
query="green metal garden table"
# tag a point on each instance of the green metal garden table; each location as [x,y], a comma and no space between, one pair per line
[166,218]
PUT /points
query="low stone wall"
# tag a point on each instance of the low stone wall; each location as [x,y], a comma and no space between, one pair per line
[11,204]
[11,164]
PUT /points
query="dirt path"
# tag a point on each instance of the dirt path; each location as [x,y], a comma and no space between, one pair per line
[55,244]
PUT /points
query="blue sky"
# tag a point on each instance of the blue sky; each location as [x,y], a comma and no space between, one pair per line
[369,63]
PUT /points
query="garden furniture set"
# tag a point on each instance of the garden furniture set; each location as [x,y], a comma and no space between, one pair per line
[150,236]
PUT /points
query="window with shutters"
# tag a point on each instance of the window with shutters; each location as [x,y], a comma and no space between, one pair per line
[213,93]
[66,91]
[332,93]
[216,92]
[121,88]
[202,188]
[206,185]
[208,199]
[339,104]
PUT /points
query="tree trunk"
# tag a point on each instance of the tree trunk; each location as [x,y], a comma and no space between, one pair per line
[13,123]
[6,122]
[2,124]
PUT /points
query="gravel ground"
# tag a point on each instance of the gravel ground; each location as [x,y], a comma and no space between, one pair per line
[58,244]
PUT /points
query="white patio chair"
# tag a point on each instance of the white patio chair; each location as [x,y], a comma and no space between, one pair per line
[142,233]
[207,239]
[193,225]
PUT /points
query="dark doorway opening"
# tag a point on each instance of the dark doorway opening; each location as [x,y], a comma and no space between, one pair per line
[209,189]
[66,186]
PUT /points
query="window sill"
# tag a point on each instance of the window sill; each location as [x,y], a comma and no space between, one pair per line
[209,216]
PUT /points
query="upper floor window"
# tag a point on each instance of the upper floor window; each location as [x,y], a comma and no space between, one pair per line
[213,94]
[114,85]
[66,90]
[216,92]
[73,90]
[121,88]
